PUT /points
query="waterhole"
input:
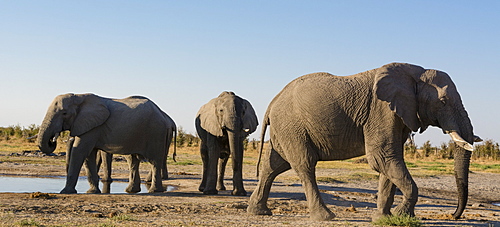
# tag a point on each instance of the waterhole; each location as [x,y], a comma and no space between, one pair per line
[53,184]
[496,204]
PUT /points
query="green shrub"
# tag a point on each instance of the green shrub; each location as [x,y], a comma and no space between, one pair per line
[28,222]
[398,220]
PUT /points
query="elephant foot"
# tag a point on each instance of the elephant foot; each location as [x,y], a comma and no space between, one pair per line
[93,191]
[210,192]
[402,209]
[106,188]
[239,192]
[164,176]
[68,191]
[156,188]
[133,189]
[259,210]
[221,188]
[322,215]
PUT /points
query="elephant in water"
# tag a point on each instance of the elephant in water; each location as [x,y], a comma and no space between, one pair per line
[223,124]
[321,117]
[134,126]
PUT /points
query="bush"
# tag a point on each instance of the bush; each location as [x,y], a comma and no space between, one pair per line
[398,220]
[18,132]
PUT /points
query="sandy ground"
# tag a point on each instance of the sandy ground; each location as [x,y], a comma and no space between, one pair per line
[353,202]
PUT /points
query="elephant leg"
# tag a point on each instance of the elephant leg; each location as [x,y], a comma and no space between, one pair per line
[238,188]
[211,167]
[385,198]
[134,182]
[164,172]
[271,166]
[222,170]
[92,176]
[409,189]
[156,182]
[395,173]
[307,174]
[106,180]
[78,154]
[204,159]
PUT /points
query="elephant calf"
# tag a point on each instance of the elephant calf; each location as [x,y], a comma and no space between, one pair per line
[223,124]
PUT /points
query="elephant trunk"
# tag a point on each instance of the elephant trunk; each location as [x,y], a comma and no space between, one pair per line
[47,136]
[462,161]
[235,147]
[234,132]
[464,140]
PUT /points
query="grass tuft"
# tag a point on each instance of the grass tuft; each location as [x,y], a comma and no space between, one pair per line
[123,217]
[398,220]
[28,222]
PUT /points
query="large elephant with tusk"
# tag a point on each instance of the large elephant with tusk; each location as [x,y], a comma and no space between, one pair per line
[134,126]
[321,117]
[223,124]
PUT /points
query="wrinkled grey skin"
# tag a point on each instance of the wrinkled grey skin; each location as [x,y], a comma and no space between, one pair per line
[134,126]
[223,124]
[320,117]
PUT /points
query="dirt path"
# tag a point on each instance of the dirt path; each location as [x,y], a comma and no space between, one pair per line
[353,202]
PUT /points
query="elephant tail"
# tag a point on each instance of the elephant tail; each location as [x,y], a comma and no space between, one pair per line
[265,123]
[175,145]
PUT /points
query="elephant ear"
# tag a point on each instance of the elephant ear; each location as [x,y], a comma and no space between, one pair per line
[208,118]
[250,120]
[92,113]
[396,84]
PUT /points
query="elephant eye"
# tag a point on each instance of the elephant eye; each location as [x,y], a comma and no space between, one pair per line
[443,100]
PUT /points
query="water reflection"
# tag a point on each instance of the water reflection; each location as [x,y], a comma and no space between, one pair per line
[496,204]
[56,184]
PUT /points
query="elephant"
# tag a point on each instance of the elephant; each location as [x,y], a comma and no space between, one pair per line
[222,125]
[322,117]
[133,126]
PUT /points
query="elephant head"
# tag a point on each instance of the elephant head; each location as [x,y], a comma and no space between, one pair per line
[228,115]
[423,97]
[76,113]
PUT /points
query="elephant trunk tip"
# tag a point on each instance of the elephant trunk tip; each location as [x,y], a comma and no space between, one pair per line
[48,146]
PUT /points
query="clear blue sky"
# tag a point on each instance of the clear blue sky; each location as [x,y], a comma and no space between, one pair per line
[183,53]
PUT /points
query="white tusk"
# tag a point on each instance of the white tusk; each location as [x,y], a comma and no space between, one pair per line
[460,141]
[477,139]
[246,129]
[55,138]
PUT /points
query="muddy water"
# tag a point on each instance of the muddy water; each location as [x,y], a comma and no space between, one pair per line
[55,185]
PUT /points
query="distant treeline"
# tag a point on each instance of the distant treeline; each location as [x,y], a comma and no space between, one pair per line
[488,149]
[18,132]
